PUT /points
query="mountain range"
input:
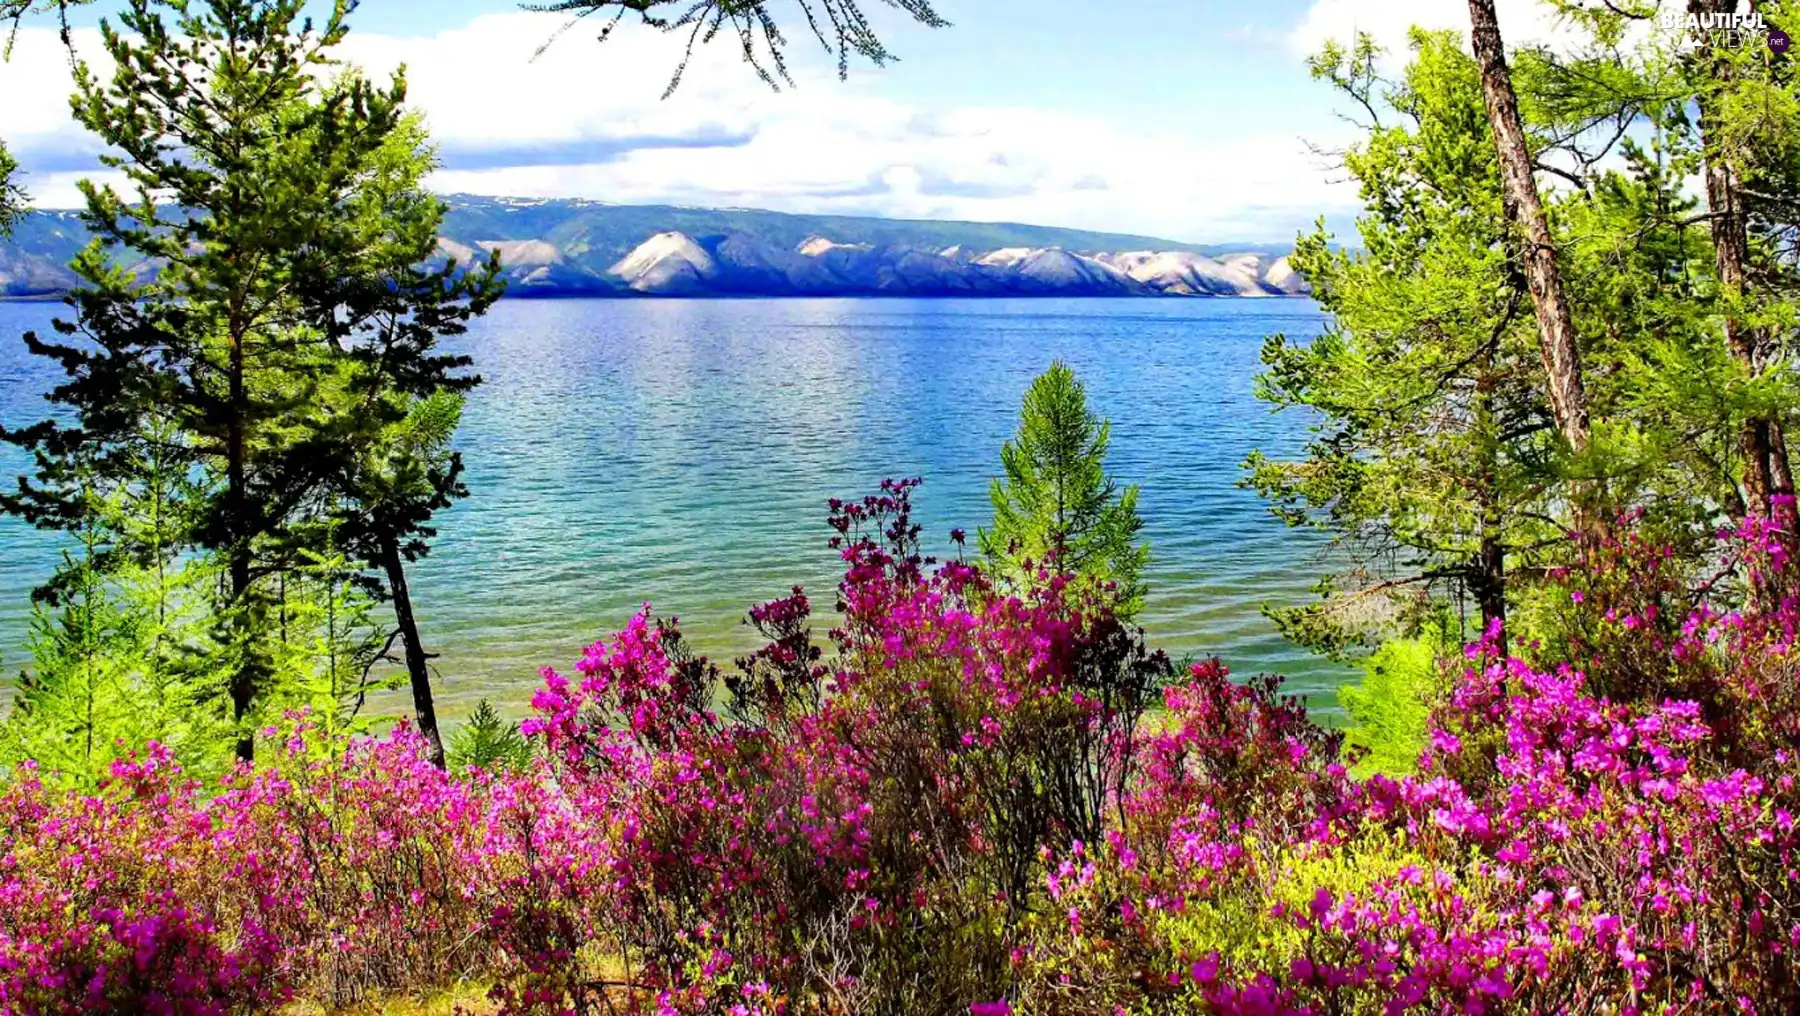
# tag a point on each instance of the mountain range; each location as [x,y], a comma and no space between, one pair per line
[588,248]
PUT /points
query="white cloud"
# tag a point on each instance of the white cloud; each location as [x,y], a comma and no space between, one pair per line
[61,190]
[588,120]
[35,121]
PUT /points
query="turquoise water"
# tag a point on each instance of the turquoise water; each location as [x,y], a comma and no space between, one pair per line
[681,452]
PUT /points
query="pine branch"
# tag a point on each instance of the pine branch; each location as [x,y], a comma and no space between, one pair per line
[840,26]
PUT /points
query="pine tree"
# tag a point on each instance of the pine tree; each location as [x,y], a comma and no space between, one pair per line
[1439,464]
[279,192]
[114,637]
[1056,507]
[1536,250]
[328,647]
[79,697]
[1390,708]
[394,469]
[1722,107]
[487,741]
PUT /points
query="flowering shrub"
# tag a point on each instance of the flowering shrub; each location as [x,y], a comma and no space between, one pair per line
[107,903]
[863,836]
[1561,851]
[959,801]
[335,875]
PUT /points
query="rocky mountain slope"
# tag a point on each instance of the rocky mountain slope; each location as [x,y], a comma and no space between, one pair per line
[570,247]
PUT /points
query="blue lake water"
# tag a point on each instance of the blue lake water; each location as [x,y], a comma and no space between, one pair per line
[681,452]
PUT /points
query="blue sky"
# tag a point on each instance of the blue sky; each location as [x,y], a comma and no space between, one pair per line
[1189,119]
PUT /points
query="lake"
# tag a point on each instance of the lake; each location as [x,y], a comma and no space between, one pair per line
[680,452]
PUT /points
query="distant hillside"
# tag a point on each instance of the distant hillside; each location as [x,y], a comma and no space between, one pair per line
[575,247]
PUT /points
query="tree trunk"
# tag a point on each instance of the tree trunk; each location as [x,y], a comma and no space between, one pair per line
[243,676]
[1781,475]
[1490,560]
[1490,588]
[1556,323]
[423,707]
[1767,475]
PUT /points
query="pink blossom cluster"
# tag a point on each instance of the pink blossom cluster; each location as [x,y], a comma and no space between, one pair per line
[336,875]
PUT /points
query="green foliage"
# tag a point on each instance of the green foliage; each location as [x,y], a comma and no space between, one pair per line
[1644,254]
[1435,465]
[81,698]
[328,646]
[1056,507]
[1432,463]
[120,642]
[1245,927]
[489,742]
[401,475]
[1390,708]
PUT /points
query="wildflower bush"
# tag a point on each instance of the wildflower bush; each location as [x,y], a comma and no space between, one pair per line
[1573,842]
[961,799]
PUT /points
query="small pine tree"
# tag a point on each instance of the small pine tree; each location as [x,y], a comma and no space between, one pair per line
[1390,708]
[329,648]
[78,700]
[488,741]
[118,640]
[404,474]
[1056,507]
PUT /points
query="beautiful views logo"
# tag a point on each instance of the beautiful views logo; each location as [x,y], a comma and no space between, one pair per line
[1720,27]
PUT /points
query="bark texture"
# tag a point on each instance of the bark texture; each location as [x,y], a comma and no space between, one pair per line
[1556,322]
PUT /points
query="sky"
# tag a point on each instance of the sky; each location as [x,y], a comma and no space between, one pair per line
[1193,120]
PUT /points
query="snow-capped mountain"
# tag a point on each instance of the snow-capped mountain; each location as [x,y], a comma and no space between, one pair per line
[1183,273]
[674,264]
[561,247]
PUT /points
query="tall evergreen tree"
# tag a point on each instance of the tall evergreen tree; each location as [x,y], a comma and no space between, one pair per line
[1441,462]
[1432,461]
[1056,507]
[385,316]
[279,193]
[1537,250]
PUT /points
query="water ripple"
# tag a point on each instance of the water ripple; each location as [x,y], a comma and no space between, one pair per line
[681,452]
